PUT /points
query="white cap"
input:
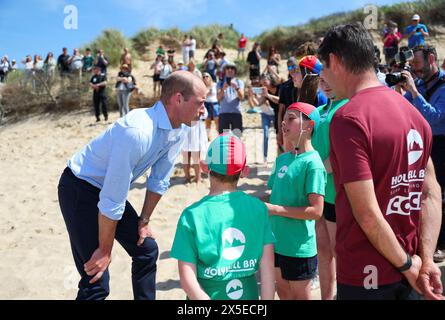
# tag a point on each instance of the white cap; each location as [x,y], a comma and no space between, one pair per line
[416,17]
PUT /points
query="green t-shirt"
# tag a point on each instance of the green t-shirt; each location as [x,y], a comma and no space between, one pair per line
[293,178]
[320,141]
[224,236]
[88,62]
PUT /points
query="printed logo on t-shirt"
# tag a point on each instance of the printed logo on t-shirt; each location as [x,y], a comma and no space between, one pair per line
[415,146]
[234,289]
[406,188]
[282,172]
[233,244]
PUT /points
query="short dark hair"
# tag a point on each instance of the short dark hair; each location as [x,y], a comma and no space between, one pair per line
[175,83]
[427,50]
[352,44]
[226,179]
[306,49]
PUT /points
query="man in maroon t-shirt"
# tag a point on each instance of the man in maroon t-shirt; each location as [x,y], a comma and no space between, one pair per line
[388,200]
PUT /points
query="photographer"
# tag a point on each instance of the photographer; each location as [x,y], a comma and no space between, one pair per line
[230,94]
[427,94]
[416,32]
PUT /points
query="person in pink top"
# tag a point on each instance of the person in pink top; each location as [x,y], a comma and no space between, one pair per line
[388,199]
[391,41]
[242,46]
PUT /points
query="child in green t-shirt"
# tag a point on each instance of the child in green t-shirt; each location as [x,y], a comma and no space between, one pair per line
[223,239]
[298,183]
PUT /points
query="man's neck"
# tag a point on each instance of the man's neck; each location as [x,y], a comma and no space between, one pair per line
[433,74]
[361,82]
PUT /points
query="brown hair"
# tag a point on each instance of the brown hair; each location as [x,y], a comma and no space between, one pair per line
[225,179]
[175,83]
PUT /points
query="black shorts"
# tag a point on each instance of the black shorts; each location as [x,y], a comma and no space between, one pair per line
[156,78]
[161,81]
[329,212]
[230,121]
[296,269]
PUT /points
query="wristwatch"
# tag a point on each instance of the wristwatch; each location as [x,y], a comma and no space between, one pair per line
[407,264]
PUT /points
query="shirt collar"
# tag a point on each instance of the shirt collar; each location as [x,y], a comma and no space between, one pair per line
[163,120]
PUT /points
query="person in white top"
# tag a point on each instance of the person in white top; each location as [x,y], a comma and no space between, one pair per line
[192,47]
[29,69]
[211,103]
[195,146]
[166,70]
[192,68]
[186,50]
[157,67]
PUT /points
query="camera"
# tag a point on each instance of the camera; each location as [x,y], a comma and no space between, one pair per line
[257,90]
[228,81]
[402,59]
[418,29]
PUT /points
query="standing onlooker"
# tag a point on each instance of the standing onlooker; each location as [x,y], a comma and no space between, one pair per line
[160,51]
[102,61]
[192,50]
[157,67]
[171,58]
[273,60]
[125,85]
[64,65]
[4,69]
[211,65]
[221,64]
[50,65]
[391,41]
[88,61]
[29,70]
[230,94]
[242,46]
[416,32]
[76,65]
[186,49]
[195,145]
[211,104]
[166,70]
[99,83]
[217,45]
[13,65]
[192,68]
[388,199]
[126,59]
[38,72]
[253,58]
[427,94]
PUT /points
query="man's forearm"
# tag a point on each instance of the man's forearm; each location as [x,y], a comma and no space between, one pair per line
[368,215]
[107,231]
[150,203]
[431,216]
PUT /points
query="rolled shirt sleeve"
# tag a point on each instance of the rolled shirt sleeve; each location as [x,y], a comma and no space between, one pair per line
[125,154]
[159,179]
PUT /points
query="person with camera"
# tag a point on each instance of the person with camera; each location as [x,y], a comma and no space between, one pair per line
[427,94]
[416,32]
[230,94]
[253,59]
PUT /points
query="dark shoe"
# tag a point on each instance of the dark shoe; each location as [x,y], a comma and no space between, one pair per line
[439,256]
[106,118]
[97,119]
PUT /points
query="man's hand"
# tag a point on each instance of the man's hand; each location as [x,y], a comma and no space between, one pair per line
[429,281]
[225,86]
[413,273]
[97,264]
[144,231]
[409,84]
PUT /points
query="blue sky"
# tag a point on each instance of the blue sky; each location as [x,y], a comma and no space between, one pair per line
[37,26]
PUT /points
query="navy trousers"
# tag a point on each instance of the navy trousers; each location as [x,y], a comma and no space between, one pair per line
[78,201]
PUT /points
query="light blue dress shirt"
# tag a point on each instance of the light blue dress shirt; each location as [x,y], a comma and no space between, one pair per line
[143,139]
[434,110]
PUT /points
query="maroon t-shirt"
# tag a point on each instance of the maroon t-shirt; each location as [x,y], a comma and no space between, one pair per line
[378,135]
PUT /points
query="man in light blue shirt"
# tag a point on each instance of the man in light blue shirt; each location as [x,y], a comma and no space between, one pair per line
[416,32]
[93,189]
